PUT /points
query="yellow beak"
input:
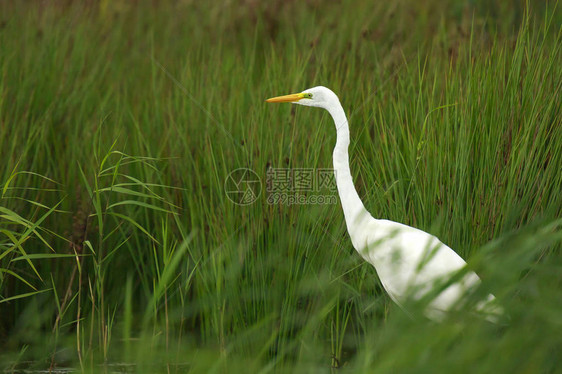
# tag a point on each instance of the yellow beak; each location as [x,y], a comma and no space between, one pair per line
[286,99]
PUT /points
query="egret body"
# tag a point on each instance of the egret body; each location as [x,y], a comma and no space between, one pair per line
[409,262]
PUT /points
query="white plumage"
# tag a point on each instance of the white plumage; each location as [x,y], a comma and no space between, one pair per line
[410,262]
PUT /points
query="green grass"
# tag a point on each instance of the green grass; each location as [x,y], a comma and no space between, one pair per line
[119,125]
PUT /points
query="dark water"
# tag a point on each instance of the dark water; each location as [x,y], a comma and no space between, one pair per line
[111,368]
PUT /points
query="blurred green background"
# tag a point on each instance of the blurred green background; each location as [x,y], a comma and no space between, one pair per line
[121,120]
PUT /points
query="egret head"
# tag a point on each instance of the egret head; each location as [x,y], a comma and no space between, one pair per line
[316,96]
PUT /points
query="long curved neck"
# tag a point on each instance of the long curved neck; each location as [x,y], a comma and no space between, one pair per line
[353,209]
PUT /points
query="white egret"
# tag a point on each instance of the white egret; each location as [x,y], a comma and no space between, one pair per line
[410,263]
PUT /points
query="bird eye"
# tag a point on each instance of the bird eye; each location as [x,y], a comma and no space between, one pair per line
[308,95]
